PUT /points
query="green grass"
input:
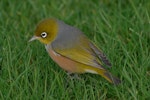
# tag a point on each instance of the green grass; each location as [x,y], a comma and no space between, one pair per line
[121,28]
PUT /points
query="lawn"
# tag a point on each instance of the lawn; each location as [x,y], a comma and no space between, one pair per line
[121,28]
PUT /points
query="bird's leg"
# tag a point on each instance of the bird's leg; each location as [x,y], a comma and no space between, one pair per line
[73,76]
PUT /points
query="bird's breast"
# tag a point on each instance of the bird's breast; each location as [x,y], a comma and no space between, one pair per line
[64,62]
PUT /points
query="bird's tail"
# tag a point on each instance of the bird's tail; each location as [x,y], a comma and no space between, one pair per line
[108,76]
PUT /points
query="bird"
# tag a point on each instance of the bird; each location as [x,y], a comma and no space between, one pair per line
[72,50]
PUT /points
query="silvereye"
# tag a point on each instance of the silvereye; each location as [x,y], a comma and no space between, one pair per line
[71,49]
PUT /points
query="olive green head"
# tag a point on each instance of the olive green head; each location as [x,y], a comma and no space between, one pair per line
[46,31]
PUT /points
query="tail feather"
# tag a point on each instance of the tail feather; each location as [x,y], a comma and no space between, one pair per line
[108,76]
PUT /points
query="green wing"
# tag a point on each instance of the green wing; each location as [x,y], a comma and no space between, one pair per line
[82,51]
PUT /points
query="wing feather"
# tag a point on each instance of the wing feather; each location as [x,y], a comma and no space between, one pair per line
[83,52]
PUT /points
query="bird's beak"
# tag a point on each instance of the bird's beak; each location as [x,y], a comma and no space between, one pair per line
[33,38]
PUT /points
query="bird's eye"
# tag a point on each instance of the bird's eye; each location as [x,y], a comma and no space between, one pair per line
[43,34]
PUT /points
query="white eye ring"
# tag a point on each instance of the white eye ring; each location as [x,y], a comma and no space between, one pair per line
[43,34]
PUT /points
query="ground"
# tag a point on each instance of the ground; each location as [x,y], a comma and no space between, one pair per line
[121,28]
